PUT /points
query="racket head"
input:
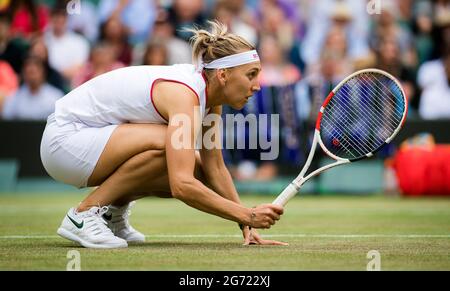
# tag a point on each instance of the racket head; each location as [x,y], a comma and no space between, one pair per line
[362,114]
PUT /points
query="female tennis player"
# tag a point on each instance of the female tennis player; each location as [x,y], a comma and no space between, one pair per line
[116,132]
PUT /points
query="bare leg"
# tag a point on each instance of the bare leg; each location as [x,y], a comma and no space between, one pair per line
[161,182]
[133,165]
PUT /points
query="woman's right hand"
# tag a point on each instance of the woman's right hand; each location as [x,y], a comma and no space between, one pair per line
[265,215]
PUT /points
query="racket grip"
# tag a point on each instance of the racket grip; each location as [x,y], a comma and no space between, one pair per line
[287,194]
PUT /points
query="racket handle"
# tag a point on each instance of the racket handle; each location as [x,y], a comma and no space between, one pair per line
[287,194]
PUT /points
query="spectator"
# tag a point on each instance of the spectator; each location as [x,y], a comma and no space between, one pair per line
[67,51]
[156,54]
[10,50]
[35,99]
[137,15]
[277,70]
[351,15]
[39,49]
[28,18]
[273,21]
[434,80]
[386,25]
[389,59]
[315,87]
[405,13]
[441,29]
[434,76]
[186,14]
[178,51]
[103,60]
[281,18]
[235,16]
[337,62]
[422,28]
[114,33]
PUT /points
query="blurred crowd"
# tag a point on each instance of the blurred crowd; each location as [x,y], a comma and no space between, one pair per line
[49,47]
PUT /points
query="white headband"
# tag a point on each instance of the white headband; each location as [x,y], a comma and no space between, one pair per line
[231,61]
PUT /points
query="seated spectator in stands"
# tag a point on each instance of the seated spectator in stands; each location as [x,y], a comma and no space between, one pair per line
[434,80]
[138,16]
[273,20]
[312,90]
[277,70]
[235,15]
[35,99]
[11,50]
[8,82]
[39,49]
[103,60]
[433,77]
[178,51]
[386,25]
[67,51]
[388,58]
[186,13]
[350,15]
[115,34]
[422,28]
[334,61]
[29,18]
[156,54]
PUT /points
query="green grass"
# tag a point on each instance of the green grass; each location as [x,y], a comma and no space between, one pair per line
[182,238]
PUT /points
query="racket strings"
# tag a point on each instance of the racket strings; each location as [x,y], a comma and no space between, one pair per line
[376,104]
[368,92]
[394,119]
[376,119]
[347,144]
[351,116]
[345,141]
[362,115]
[346,147]
[354,150]
[347,118]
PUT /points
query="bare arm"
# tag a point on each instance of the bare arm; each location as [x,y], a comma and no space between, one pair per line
[217,174]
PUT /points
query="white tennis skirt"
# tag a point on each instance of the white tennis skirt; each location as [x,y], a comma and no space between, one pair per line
[70,152]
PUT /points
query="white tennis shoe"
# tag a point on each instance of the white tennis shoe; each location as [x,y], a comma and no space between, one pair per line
[89,229]
[118,221]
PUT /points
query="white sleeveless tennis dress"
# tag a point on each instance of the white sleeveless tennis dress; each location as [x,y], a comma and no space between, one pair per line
[84,119]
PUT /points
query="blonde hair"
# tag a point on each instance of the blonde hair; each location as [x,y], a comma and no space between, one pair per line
[208,46]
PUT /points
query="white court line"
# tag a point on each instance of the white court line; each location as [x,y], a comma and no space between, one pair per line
[293,235]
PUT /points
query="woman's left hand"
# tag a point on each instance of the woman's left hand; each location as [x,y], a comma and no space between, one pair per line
[251,237]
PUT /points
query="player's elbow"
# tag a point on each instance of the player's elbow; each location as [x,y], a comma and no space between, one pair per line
[181,187]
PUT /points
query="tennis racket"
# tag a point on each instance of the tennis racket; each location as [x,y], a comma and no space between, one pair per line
[360,116]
